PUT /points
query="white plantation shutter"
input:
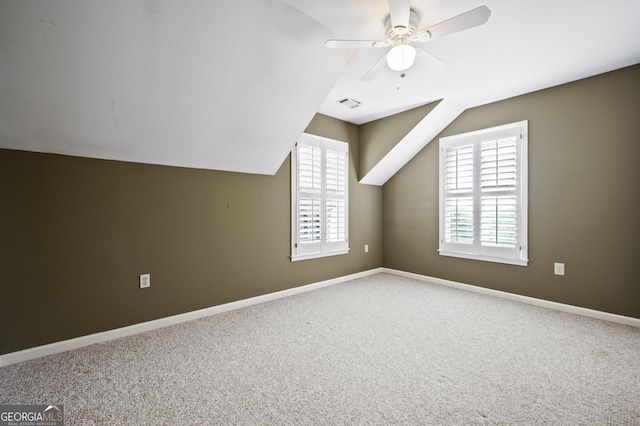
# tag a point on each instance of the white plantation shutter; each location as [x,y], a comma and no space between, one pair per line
[310,169]
[498,204]
[310,214]
[319,198]
[459,220]
[483,199]
[309,194]
[336,192]
[458,181]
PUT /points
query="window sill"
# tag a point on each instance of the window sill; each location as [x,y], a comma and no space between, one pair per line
[484,258]
[308,256]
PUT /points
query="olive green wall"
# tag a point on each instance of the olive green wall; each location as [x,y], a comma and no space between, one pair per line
[76,233]
[379,137]
[584,198]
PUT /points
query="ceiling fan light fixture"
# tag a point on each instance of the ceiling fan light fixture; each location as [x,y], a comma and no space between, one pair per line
[401,56]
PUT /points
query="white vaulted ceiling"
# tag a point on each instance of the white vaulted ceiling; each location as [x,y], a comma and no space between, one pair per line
[231,85]
[195,83]
[526,45]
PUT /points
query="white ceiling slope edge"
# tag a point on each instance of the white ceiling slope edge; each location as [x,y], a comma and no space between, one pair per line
[202,84]
[232,85]
[428,128]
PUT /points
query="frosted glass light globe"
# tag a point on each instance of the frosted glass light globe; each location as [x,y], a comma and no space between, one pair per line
[401,57]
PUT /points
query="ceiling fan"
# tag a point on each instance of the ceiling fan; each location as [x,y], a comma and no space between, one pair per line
[402,30]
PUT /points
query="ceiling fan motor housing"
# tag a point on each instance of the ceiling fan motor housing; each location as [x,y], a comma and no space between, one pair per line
[397,33]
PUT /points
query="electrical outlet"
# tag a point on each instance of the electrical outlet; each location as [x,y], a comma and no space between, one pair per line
[558,268]
[366,248]
[145,280]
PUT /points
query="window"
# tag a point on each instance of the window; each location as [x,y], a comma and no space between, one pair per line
[483,194]
[320,199]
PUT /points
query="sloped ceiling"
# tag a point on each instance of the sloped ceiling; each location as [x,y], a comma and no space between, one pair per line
[231,85]
[526,45]
[203,84]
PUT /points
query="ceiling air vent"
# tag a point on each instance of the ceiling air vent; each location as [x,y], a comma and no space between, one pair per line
[349,103]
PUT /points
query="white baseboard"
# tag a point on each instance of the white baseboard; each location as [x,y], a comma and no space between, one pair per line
[606,316]
[78,342]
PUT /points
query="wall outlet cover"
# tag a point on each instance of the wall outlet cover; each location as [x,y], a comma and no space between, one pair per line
[145,280]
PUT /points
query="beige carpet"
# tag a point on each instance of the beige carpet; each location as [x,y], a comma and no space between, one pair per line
[380,350]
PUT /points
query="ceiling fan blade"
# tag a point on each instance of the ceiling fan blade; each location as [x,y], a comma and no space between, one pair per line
[375,70]
[399,11]
[470,19]
[354,44]
[429,62]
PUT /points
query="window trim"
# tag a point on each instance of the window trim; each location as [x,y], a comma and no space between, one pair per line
[325,250]
[475,251]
